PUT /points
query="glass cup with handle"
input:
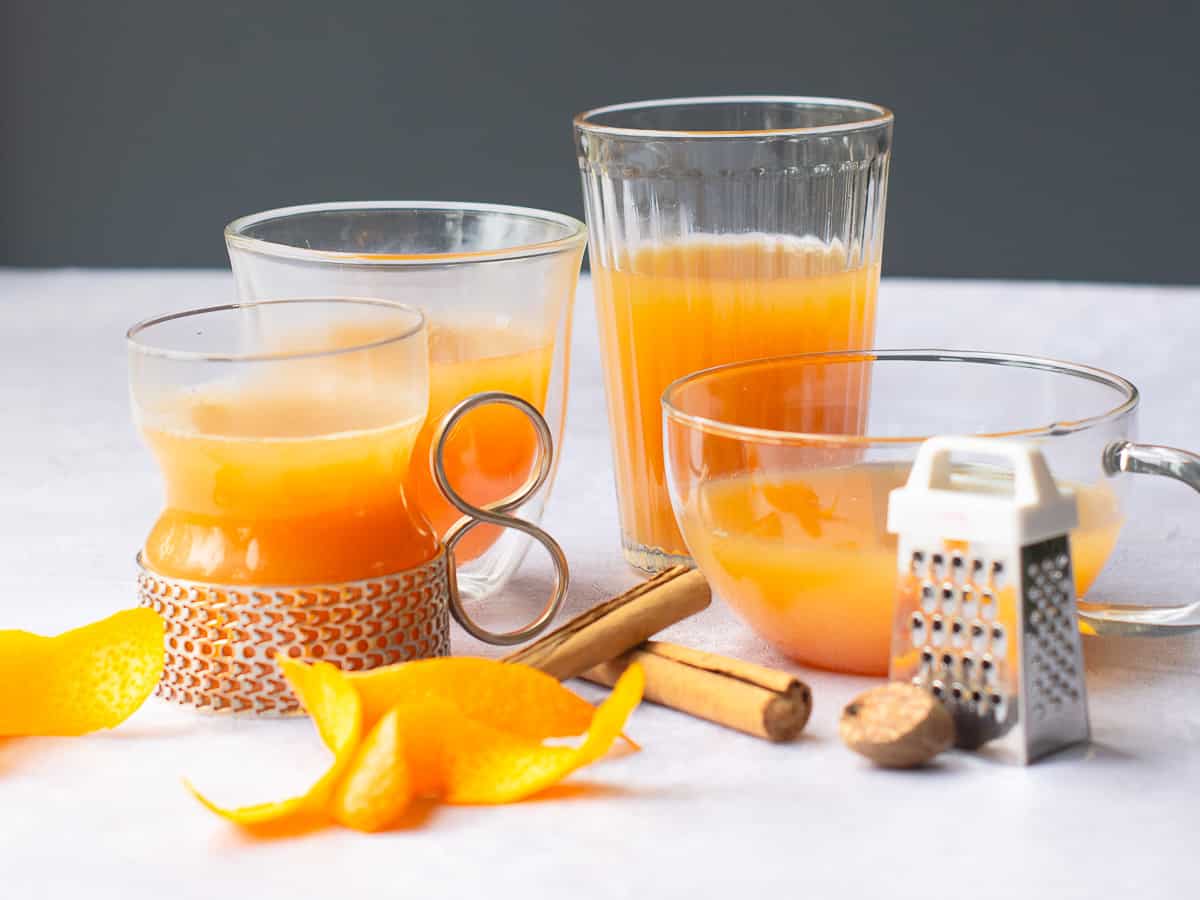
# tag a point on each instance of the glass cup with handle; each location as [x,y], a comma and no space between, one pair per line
[285,433]
[786,514]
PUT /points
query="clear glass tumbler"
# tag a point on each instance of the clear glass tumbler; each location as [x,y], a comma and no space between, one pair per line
[497,286]
[724,229]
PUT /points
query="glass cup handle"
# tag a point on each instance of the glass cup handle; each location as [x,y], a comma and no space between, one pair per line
[1128,619]
[1149,459]
[497,513]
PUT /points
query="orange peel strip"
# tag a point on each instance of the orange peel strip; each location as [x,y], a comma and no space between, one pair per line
[336,710]
[79,681]
[428,748]
[376,788]
[456,729]
[484,765]
[511,697]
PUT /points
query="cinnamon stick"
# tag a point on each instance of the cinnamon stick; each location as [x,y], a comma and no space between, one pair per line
[745,696]
[607,630]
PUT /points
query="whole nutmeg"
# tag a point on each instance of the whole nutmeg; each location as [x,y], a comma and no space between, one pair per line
[898,726]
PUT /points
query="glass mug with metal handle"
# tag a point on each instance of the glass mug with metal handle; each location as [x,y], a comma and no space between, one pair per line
[284,431]
[786,516]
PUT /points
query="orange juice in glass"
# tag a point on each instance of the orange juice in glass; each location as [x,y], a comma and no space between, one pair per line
[489,455]
[785,512]
[675,309]
[724,229]
[284,444]
[496,284]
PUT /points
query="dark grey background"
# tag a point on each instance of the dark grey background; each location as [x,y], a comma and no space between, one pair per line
[1033,140]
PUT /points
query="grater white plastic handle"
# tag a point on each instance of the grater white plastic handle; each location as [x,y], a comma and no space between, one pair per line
[1033,484]
[934,503]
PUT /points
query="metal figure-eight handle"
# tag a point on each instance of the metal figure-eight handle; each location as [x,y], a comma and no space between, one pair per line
[497,513]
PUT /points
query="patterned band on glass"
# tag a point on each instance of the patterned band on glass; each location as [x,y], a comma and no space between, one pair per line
[220,640]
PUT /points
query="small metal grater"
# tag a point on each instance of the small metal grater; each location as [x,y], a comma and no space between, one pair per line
[985,612]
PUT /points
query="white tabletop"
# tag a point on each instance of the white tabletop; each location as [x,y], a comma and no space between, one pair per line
[701,811]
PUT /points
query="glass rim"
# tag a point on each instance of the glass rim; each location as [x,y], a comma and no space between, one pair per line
[881,115]
[236,237]
[149,349]
[776,436]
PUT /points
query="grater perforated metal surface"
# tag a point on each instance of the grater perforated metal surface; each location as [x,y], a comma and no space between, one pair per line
[986,613]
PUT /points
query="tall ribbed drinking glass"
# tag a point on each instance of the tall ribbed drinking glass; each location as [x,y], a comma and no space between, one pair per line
[725,229]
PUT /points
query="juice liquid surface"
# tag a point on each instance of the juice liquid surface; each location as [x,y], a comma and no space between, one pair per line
[672,309]
[807,561]
[492,449]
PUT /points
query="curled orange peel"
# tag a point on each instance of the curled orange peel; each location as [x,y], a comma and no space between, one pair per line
[517,699]
[79,681]
[336,711]
[458,730]
[376,788]
[497,768]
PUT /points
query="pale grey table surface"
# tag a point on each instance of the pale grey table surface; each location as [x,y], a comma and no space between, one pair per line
[701,811]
